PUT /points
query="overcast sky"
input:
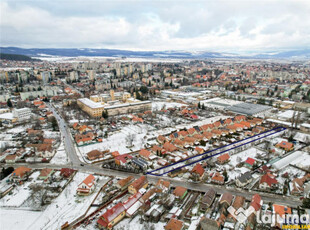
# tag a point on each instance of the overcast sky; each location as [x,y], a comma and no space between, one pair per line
[225,26]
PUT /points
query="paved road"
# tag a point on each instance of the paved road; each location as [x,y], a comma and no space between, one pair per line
[289,201]
[65,131]
[75,163]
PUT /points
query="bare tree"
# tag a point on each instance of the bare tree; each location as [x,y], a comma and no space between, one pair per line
[130,138]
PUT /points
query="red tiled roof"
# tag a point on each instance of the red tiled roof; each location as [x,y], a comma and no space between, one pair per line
[174,224]
[198,169]
[111,214]
[179,191]
[269,179]
[145,153]
[223,157]
[250,161]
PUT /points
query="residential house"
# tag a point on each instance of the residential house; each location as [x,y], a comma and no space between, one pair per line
[45,174]
[180,192]
[179,143]
[226,200]
[217,178]
[87,186]
[298,185]
[111,216]
[174,224]
[44,150]
[82,139]
[20,174]
[135,186]
[238,203]
[198,171]
[249,163]
[145,154]
[281,210]
[192,131]
[223,159]
[244,179]
[122,159]
[256,202]
[10,159]
[124,183]
[162,185]
[287,146]
[268,181]
[132,204]
[94,154]
[207,200]
[169,147]
[199,150]
[66,172]
[157,150]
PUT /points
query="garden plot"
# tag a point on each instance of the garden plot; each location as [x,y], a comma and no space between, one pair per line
[67,206]
[20,193]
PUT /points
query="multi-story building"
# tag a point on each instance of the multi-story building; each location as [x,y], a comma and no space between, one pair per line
[22,114]
[46,76]
[96,105]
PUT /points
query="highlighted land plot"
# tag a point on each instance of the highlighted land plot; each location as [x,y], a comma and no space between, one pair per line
[215,152]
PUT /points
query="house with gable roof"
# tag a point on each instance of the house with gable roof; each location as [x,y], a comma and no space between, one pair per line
[87,186]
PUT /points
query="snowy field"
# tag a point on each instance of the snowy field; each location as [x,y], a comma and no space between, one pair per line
[20,193]
[117,141]
[161,105]
[51,134]
[60,157]
[14,219]
[66,207]
[18,129]
[140,132]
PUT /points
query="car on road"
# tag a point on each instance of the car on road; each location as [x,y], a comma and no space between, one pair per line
[82,164]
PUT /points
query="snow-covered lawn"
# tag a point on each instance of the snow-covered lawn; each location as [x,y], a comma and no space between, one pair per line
[51,134]
[67,206]
[243,156]
[117,141]
[19,129]
[20,193]
[162,104]
[60,157]
[17,219]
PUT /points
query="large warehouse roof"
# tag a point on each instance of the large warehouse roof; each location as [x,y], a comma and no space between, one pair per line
[248,109]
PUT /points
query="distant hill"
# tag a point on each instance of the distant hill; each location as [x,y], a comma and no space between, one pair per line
[75,52]
[16,57]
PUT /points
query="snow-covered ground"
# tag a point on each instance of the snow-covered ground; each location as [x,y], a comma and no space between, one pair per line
[51,134]
[18,129]
[162,104]
[117,141]
[17,219]
[66,207]
[60,157]
[20,193]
